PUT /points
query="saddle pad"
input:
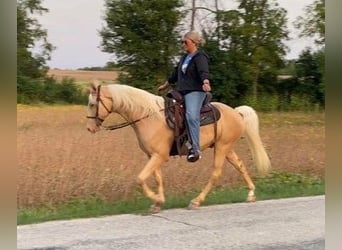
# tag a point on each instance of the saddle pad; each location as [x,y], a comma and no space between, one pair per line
[209,114]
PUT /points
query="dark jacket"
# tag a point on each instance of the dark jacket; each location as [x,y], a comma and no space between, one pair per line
[196,72]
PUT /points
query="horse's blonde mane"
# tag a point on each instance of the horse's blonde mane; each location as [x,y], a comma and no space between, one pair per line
[133,100]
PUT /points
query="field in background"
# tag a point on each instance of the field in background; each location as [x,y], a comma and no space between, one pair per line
[84,76]
[59,160]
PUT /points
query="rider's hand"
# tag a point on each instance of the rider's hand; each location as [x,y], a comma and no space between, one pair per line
[206,85]
[163,86]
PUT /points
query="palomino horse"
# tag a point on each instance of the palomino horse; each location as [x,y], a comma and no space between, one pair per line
[144,112]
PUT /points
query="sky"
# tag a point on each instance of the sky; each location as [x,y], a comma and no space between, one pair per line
[73,28]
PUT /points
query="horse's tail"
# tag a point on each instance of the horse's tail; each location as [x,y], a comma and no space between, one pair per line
[259,154]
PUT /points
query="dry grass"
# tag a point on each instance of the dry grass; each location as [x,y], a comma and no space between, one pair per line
[82,76]
[58,159]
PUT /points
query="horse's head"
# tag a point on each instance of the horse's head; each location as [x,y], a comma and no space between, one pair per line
[99,107]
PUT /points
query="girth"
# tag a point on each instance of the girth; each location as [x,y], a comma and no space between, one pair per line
[175,117]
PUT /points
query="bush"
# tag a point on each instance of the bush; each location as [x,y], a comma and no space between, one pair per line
[29,90]
[69,92]
[273,103]
[264,103]
[49,90]
[303,104]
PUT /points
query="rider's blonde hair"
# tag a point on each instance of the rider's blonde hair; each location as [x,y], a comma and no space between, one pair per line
[195,37]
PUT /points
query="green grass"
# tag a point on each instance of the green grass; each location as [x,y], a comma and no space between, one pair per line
[273,186]
[293,118]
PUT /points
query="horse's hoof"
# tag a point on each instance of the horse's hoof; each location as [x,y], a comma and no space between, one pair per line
[194,205]
[154,209]
[251,198]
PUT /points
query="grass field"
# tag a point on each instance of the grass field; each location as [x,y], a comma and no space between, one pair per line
[84,76]
[60,162]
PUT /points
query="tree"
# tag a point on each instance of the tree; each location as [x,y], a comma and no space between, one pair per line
[30,68]
[29,32]
[313,22]
[142,35]
[226,72]
[310,77]
[287,83]
[253,37]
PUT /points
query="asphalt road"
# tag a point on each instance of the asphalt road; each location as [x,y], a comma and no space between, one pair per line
[294,223]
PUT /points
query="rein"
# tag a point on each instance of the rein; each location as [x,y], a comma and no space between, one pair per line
[99,120]
[125,124]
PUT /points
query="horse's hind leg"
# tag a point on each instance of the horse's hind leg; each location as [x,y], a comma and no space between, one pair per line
[218,165]
[240,166]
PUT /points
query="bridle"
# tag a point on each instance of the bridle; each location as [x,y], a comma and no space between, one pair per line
[99,120]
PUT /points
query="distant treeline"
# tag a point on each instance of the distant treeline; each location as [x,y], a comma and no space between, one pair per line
[245,45]
[108,67]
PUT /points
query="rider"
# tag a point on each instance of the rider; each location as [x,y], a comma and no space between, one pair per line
[191,76]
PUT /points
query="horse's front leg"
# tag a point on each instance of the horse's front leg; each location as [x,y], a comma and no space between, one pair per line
[159,198]
[153,166]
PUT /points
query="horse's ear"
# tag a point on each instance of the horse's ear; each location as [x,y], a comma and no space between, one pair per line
[93,85]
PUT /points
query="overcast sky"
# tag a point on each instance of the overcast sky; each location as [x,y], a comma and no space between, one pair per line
[73,29]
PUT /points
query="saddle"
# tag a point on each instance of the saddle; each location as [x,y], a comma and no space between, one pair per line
[175,118]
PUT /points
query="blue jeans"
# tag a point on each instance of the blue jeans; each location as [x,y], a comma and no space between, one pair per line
[193,103]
